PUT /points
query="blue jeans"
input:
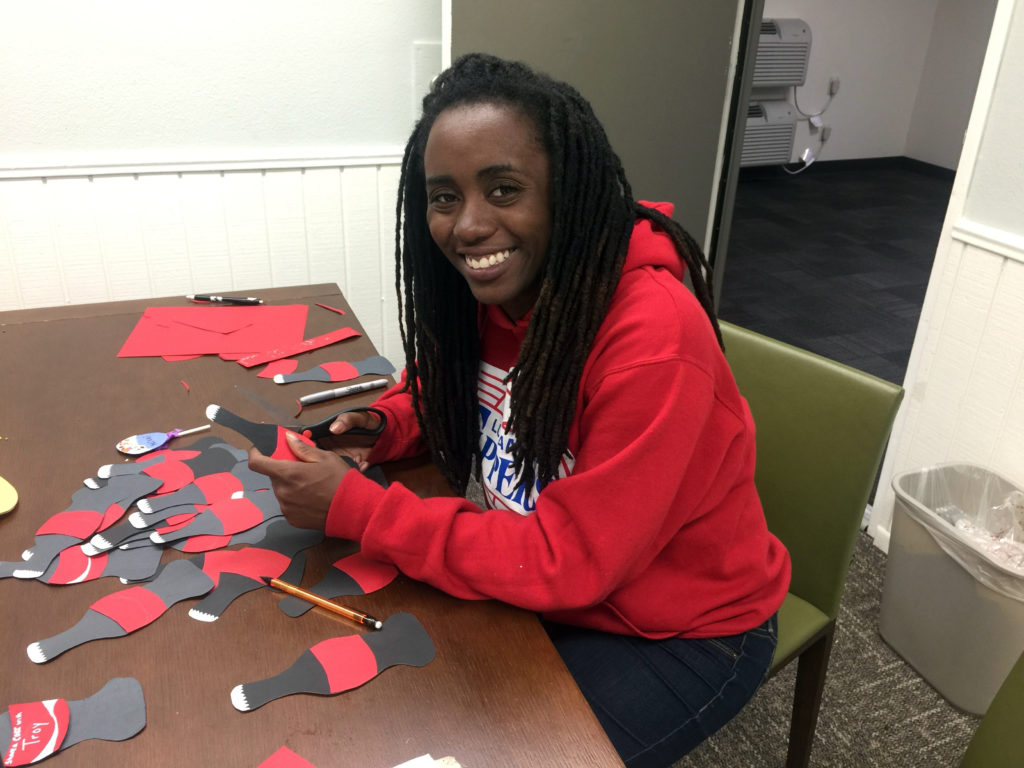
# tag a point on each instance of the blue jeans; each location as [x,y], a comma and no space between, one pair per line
[658,699]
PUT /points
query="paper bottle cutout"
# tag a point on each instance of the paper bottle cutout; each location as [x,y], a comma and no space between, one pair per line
[343,663]
[74,566]
[339,371]
[114,713]
[267,438]
[351,575]
[121,613]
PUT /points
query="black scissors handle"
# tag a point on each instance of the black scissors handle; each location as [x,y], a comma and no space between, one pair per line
[322,428]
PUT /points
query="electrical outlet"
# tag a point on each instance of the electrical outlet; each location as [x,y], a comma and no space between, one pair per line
[833,85]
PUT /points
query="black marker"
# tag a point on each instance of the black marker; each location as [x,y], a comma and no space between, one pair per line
[225,299]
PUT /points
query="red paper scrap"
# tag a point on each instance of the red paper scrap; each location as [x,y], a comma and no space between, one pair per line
[333,309]
[295,349]
[179,331]
[285,758]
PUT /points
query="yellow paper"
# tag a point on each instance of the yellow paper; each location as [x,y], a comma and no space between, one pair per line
[8,497]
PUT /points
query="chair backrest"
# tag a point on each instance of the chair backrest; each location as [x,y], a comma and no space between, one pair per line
[997,743]
[822,428]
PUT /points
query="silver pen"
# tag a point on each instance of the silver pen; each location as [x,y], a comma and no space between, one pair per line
[351,389]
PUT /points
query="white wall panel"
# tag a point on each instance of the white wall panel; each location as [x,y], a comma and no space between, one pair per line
[286,227]
[34,258]
[362,246]
[83,271]
[246,225]
[325,227]
[387,195]
[206,237]
[119,228]
[163,232]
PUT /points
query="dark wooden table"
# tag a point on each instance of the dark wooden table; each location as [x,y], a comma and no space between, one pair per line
[497,693]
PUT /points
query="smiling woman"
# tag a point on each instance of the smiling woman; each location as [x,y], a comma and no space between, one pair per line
[553,351]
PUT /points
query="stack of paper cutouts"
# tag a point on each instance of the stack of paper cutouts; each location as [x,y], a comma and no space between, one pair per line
[201,499]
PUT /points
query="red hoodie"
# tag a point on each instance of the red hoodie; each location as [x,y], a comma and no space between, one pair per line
[655,529]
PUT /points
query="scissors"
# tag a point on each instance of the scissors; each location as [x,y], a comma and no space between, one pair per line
[323,428]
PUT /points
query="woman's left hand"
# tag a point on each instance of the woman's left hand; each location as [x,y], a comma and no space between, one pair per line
[304,488]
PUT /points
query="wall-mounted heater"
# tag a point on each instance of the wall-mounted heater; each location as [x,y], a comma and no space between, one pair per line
[768,138]
[782,53]
[783,50]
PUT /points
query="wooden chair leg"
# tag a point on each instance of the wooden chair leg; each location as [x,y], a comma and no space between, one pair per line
[810,683]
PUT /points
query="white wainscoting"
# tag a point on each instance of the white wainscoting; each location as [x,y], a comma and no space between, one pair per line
[76,236]
[965,382]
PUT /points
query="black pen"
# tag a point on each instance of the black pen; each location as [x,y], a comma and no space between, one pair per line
[225,299]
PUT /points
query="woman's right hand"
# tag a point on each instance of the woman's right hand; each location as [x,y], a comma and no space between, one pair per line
[355,447]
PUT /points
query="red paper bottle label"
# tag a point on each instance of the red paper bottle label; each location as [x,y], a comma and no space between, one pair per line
[37,730]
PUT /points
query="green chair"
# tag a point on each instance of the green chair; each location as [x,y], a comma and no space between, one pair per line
[822,428]
[997,742]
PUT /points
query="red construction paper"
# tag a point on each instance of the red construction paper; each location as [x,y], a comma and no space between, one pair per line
[287,350]
[185,331]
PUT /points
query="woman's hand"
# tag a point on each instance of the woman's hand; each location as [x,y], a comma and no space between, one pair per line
[355,447]
[304,488]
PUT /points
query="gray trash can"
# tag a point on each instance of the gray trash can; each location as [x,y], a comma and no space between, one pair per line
[953,598]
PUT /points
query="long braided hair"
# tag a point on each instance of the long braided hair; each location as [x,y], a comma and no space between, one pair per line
[592,217]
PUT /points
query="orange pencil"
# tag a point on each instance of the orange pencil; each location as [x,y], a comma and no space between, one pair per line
[330,605]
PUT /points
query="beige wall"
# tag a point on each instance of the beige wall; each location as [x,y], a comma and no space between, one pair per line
[907,73]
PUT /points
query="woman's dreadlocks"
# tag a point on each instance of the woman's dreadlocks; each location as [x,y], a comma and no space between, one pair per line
[592,216]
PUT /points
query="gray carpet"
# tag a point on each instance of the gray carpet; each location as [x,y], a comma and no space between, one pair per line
[876,711]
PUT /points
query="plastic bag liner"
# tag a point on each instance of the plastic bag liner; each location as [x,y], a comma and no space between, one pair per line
[975,515]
